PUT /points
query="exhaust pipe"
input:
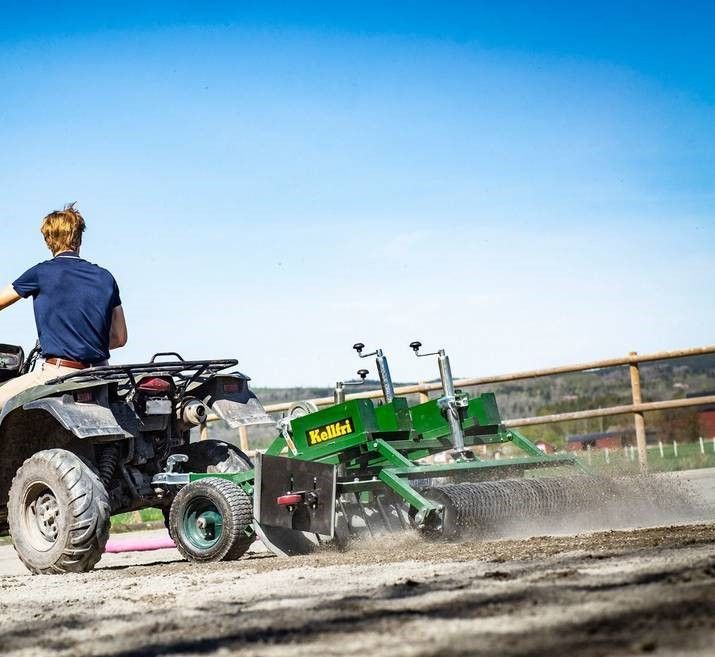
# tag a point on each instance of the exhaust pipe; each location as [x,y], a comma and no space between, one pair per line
[192,413]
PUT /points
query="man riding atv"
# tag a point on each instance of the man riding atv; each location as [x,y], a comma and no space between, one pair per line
[81,440]
[78,311]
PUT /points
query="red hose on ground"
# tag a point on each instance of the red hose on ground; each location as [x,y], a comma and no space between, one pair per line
[139,544]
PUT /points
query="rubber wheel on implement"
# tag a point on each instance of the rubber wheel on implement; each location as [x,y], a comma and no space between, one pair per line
[210,520]
[58,512]
[210,456]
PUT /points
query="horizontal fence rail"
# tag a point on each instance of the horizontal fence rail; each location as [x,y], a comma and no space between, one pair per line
[625,409]
[637,408]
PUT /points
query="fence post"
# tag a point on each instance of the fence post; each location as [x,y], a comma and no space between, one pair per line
[243,438]
[638,418]
[424,397]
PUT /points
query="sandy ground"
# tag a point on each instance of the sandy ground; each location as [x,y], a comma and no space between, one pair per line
[632,592]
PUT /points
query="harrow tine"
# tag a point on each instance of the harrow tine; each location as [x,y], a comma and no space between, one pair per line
[345,514]
[363,514]
[383,513]
[400,519]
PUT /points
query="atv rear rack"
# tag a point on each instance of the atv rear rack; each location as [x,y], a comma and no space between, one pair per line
[194,369]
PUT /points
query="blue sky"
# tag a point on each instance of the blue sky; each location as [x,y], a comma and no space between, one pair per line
[525,185]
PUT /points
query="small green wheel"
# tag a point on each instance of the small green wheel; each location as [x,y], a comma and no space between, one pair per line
[210,520]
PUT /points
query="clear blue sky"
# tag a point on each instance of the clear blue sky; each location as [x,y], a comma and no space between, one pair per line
[526,184]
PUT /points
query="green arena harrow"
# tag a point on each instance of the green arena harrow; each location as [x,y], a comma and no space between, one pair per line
[363,468]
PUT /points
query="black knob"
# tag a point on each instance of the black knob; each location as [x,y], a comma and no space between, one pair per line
[363,373]
[358,346]
[415,346]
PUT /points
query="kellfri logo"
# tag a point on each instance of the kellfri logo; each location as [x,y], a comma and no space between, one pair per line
[330,431]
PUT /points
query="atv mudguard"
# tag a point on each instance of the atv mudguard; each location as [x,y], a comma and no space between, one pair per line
[229,396]
[84,420]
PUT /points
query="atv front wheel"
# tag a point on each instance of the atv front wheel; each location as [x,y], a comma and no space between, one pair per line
[210,520]
[58,512]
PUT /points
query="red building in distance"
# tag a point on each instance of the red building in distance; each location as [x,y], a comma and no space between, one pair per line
[706,415]
[614,439]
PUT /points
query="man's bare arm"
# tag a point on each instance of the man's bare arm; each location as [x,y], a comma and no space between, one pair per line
[118,331]
[8,296]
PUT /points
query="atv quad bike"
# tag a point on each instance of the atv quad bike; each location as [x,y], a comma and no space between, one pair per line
[87,445]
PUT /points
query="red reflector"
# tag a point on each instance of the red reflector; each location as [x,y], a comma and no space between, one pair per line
[233,386]
[154,385]
[289,500]
[84,396]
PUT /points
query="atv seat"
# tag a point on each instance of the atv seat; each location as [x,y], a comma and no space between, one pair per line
[12,358]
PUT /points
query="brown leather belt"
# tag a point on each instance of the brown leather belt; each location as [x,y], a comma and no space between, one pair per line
[73,364]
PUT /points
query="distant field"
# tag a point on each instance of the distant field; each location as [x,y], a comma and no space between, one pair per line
[134,519]
[688,457]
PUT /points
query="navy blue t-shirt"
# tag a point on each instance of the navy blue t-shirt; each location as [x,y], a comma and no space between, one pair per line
[73,302]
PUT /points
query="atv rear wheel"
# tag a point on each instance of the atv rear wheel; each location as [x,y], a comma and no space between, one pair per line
[58,512]
[210,520]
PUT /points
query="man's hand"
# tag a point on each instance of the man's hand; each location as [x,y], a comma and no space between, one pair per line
[8,296]
[118,331]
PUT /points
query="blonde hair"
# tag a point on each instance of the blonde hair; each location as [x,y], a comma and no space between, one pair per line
[62,229]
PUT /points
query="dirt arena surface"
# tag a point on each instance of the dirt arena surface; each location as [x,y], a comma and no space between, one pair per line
[646,591]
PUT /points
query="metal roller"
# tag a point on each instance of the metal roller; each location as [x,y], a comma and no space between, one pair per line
[486,505]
